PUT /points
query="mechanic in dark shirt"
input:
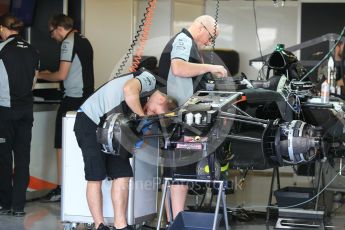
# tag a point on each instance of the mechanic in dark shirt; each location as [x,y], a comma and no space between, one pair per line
[16,114]
[77,73]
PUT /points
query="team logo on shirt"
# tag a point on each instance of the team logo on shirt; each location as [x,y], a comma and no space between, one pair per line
[181,45]
[21,44]
[64,48]
[148,81]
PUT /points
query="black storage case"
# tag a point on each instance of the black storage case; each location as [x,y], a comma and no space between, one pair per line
[195,221]
[290,196]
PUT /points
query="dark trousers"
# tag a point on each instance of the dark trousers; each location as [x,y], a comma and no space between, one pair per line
[15,142]
[67,104]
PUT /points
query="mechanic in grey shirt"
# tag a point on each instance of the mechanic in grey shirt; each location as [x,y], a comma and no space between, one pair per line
[183,67]
[76,72]
[181,63]
[122,95]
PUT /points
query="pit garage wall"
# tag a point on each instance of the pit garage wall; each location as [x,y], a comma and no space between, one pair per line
[111,36]
[236,19]
[237,23]
[43,170]
[255,192]
[108,26]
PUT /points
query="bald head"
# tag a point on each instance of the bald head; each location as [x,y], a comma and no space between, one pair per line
[207,20]
[203,29]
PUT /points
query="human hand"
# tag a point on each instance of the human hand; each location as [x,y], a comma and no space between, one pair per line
[139,144]
[219,71]
[41,73]
[144,128]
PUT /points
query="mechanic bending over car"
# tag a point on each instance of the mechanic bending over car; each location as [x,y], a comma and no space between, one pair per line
[123,95]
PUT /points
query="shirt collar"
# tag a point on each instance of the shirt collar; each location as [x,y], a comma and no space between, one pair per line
[184,30]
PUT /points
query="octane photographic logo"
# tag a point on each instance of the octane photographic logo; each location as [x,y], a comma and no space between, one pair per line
[152,150]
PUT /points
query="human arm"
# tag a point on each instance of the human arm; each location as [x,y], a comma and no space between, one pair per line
[131,91]
[59,75]
[183,68]
[145,82]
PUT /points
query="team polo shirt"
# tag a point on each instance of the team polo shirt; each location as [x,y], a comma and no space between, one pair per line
[110,96]
[80,79]
[181,46]
[18,63]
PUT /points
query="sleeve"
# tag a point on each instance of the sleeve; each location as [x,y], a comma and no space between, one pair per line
[67,45]
[147,81]
[181,47]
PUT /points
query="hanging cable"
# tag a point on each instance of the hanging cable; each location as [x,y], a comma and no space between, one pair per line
[144,35]
[215,31]
[256,31]
[326,56]
[143,31]
[295,205]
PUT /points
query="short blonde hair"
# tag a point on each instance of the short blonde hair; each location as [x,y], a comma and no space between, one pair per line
[171,103]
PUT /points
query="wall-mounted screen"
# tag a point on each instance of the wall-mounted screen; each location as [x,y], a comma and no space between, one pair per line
[24,10]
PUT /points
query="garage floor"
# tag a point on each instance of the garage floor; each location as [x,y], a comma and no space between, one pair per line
[46,216]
